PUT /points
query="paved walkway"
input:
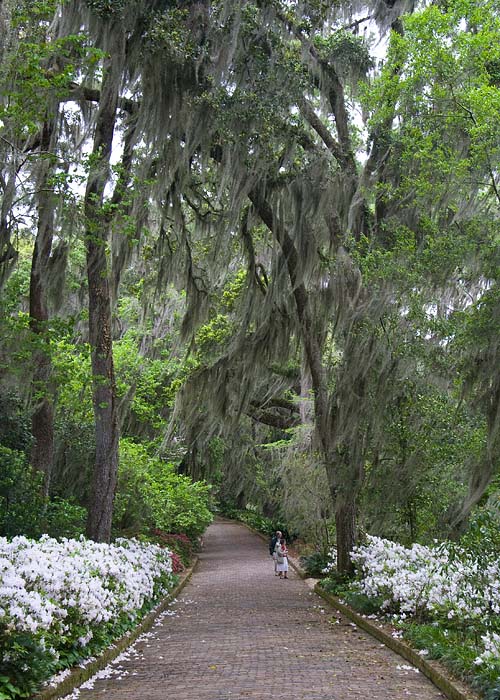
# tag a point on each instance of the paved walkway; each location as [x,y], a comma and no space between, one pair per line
[238,632]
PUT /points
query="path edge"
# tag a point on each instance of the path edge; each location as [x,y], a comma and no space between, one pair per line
[79,674]
[453,689]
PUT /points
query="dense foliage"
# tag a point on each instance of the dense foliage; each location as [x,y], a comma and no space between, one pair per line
[249,252]
[150,494]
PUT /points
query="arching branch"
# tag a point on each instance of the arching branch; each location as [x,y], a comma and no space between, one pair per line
[332,144]
[275,420]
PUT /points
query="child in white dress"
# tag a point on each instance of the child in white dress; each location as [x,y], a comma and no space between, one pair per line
[282,559]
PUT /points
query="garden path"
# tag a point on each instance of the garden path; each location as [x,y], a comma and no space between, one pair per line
[237,631]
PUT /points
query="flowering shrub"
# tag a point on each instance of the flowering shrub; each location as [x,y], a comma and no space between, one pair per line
[331,561]
[447,585]
[177,565]
[445,581]
[60,601]
[491,652]
[408,580]
[179,543]
[314,563]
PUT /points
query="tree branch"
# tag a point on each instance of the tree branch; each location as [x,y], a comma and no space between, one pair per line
[274,419]
[311,344]
[80,93]
[276,403]
[315,122]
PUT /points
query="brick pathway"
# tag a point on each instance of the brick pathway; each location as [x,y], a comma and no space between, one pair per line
[238,632]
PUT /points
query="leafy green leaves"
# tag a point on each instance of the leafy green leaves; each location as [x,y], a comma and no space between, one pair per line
[150,493]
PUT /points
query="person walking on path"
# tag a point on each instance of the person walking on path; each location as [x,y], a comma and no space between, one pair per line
[282,558]
[273,546]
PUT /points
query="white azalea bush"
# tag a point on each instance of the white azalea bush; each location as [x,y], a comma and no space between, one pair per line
[429,582]
[60,601]
[450,588]
[331,565]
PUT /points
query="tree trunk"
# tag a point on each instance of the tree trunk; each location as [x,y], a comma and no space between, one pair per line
[42,419]
[345,508]
[345,522]
[305,405]
[100,317]
[483,469]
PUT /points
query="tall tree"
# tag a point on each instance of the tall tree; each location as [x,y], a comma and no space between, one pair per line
[100,312]
[33,77]
[328,213]
[42,420]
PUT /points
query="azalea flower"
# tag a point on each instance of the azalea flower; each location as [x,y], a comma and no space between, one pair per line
[444,581]
[47,582]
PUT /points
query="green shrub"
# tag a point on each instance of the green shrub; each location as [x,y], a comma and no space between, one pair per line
[252,517]
[337,583]
[150,494]
[482,537]
[178,504]
[24,663]
[494,692]
[258,521]
[361,602]
[314,564]
[15,424]
[65,518]
[456,649]
[21,502]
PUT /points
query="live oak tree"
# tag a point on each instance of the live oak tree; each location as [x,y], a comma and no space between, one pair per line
[323,201]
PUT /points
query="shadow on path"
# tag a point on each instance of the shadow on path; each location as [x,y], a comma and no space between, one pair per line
[237,631]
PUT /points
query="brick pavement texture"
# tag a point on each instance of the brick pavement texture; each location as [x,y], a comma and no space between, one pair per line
[239,632]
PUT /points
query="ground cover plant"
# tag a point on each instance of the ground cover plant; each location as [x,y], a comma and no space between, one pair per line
[444,598]
[251,516]
[63,601]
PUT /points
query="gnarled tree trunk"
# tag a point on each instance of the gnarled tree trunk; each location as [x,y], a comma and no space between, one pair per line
[42,419]
[100,318]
